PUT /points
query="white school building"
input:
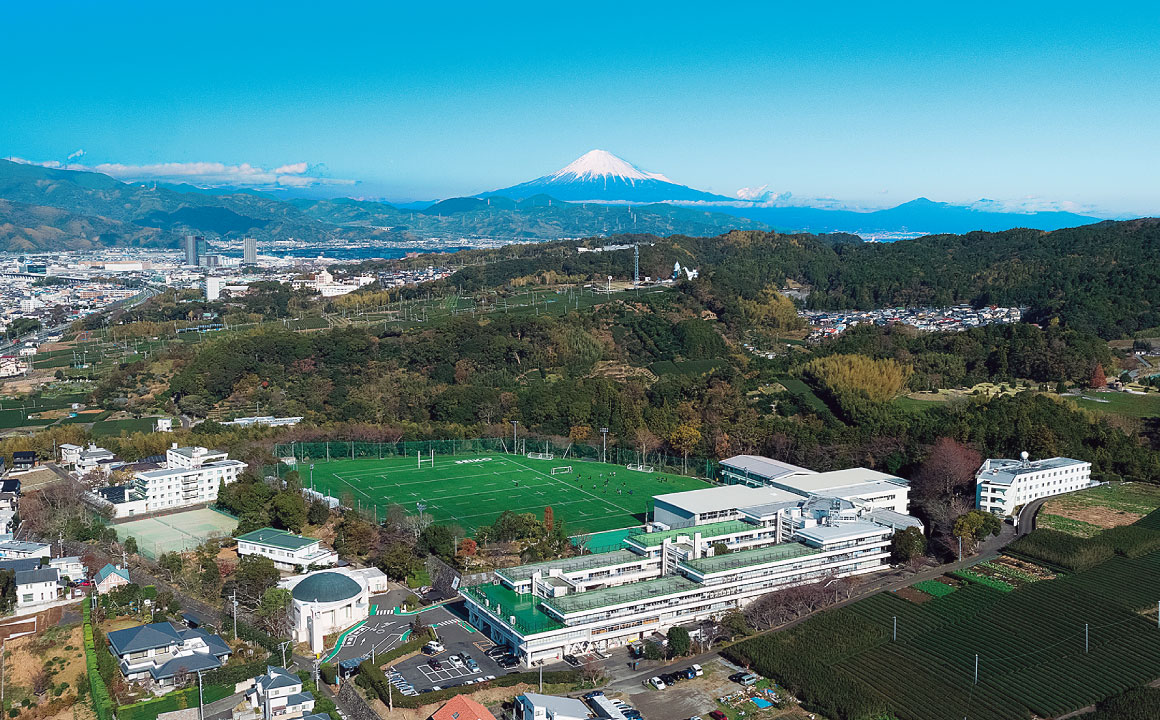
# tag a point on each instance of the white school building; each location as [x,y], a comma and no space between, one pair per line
[1002,485]
[769,539]
[191,476]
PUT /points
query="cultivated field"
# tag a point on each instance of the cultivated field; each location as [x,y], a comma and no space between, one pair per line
[1086,512]
[471,490]
[1041,645]
[1120,403]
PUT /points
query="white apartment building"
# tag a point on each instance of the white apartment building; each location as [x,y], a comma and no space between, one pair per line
[191,476]
[1002,485]
[287,550]
[677,576]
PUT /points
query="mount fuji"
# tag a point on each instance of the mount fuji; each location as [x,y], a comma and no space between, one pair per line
[599,176]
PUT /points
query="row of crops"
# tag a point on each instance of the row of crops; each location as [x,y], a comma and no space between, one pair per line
[1043,648]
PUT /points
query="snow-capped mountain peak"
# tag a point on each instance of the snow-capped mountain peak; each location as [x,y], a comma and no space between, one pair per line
[596,164]
[601,177]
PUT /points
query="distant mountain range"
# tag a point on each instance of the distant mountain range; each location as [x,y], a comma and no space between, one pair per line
[597,195]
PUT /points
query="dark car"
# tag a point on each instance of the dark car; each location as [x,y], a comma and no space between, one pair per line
[497,652]
[718,715]
[669,678]
[736,677]
[507,661]
[435,664]
[593,694]
[571,660]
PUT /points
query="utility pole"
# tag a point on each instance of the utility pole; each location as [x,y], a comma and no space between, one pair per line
[960,549]
[200,698]
[282,647]
[235,600]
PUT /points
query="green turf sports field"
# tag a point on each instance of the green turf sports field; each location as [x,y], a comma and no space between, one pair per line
[472,490]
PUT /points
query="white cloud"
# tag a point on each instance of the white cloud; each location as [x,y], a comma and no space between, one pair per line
[1032,204]
[206,174]
[75,155]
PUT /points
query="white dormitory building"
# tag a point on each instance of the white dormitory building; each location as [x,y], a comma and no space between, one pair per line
[1002,485]
[287,550]
[191,476]
[726,546]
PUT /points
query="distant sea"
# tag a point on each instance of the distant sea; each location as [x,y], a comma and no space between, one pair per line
[366,253]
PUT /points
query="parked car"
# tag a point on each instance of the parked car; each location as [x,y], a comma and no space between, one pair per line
[455,661]
[497,652]
[749,679]
[470,662]
[593,694]
[507,661]
[657,683]
[435,664]
[571,660]
[736,677]
[669,678]
[696,671]
[434,647]
[718,715]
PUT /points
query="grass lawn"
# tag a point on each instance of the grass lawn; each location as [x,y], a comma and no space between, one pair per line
[472,490]
[106,428]
[1118,403]
[1086,512]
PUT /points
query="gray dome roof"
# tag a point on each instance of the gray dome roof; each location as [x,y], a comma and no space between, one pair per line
[326,587]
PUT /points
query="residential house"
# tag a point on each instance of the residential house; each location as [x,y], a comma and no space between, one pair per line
[462,707]
[165,653]
[24,460]
[278,695]
[36,587]
[111,577]
[17,549]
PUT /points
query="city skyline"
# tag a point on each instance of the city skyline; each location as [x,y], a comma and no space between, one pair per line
[1030,107]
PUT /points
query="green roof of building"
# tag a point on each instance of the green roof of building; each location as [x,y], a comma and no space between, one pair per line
[749,558]
[506,603]
[708,531]
[607,597]
[277,538]
[572,564]
[326,587]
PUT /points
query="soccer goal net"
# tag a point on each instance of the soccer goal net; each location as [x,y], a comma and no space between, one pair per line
[541,456]
[561,470]
[640,468]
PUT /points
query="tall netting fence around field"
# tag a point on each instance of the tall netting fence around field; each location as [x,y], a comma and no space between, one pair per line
[321,451]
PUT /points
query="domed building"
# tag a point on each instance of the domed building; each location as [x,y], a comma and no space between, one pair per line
[329,601]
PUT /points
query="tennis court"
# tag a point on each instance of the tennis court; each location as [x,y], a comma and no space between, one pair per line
[471,490]
[179,531]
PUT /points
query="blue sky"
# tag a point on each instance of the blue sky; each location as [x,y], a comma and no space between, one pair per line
[1032,105]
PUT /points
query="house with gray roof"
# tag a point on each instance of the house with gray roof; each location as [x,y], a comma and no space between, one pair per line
[36,587]
[278,695]
[163,652]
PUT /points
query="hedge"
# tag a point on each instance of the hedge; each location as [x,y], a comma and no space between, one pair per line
[378,682]
[102,701]
[1076,554]
[234,674]
[177,700]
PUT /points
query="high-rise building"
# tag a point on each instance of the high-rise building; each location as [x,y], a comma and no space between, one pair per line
[250,251]
[190,250]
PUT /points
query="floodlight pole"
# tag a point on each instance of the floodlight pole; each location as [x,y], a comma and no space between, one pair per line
[895,628]
[1085,637]
[514,449]
[604,452]
[976,668]
[201,698]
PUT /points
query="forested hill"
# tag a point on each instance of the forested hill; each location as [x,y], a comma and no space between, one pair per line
[1100,278]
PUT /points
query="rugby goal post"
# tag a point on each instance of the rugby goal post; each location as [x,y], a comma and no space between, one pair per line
[541,456]
[640,468]
[561,470]
[428,461]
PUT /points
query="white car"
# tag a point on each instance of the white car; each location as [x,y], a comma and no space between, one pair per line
[696,670]
[657,683]
[455,661]
[434,647]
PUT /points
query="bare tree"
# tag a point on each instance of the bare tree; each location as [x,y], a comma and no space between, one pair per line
[592,671]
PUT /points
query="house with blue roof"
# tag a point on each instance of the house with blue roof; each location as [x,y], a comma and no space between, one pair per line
[278,695]
[164,653]
[111,577]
